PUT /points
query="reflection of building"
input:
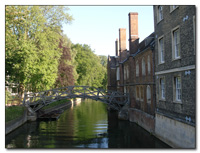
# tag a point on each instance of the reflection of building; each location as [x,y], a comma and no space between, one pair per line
[175,74]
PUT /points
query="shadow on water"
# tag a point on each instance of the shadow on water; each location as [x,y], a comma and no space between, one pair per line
[86,125]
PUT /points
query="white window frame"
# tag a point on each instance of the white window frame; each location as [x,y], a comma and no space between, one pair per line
[178,89]
[161,52]
[162,88]
[176,47]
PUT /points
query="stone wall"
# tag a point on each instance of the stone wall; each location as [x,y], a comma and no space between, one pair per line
[143,119]
[174,133]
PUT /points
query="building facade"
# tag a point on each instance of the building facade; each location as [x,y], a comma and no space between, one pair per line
[175,60]
[135,73]
[159,74]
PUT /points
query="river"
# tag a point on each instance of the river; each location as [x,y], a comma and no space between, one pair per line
[86,124]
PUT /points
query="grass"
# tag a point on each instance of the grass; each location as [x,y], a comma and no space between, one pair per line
[13,112]
[56,103]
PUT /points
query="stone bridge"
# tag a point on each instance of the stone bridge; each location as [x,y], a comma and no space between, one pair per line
[35,101]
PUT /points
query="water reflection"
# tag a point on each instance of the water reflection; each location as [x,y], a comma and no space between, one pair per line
[87,125]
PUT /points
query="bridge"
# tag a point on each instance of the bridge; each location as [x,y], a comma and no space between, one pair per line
[35,101]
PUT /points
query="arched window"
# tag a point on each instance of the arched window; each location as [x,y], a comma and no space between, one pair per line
[149,65]
[143,66]
[137,68]
[148,94]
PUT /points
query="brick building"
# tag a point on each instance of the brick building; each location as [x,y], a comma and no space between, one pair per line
[134,73]
[159,74]
[175,74]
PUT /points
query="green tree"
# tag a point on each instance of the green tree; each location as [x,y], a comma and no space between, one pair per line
[32,39]
[89,68]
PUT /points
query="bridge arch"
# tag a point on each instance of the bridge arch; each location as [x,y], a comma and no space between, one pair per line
[35,101]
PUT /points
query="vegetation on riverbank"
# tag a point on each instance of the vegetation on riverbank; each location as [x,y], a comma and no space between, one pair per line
[56,103]
[13,112]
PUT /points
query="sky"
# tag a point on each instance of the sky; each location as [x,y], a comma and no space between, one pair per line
[98,26]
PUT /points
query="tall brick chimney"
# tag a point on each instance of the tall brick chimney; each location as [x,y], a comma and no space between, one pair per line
[122,43]
[133,32]
[122,39]
[116,48]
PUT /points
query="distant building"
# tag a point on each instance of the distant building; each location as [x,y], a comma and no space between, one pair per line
[175,70]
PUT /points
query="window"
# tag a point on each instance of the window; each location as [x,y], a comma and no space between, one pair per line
[118,74]
[149,65]
[148,94]
[177,85]
[162,88]
[137,92]
[160,13]
[143,66]
[124,89]
[176,43]
[141,93]
[137,68]
[173,7]
[124,72]
[161,50]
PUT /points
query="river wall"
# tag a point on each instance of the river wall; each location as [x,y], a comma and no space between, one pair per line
[12,125]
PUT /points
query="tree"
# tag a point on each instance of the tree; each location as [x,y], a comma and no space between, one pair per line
[66,69]
[89,68]
[32,39]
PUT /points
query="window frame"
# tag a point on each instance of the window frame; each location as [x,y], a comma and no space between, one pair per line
[137,93]
[177,92]
[161,57]
[141,93]
[143,67]
[161,88]
[137,69]
[172,9]
[159,13]
[175,44]
[147,89]
[148,64]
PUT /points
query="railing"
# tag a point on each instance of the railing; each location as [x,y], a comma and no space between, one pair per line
[35,101]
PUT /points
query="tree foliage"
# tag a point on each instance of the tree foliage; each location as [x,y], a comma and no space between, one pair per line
[66,70]
[89,68]
[32,40]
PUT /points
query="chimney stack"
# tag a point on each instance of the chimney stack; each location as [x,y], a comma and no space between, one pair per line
[116,48]
[122,39]
[133,32]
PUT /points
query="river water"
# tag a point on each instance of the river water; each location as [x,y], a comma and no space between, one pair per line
[85,125]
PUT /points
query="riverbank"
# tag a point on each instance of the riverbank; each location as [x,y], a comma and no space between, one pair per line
[19,121]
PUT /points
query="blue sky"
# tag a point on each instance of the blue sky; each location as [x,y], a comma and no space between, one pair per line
[98,26]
